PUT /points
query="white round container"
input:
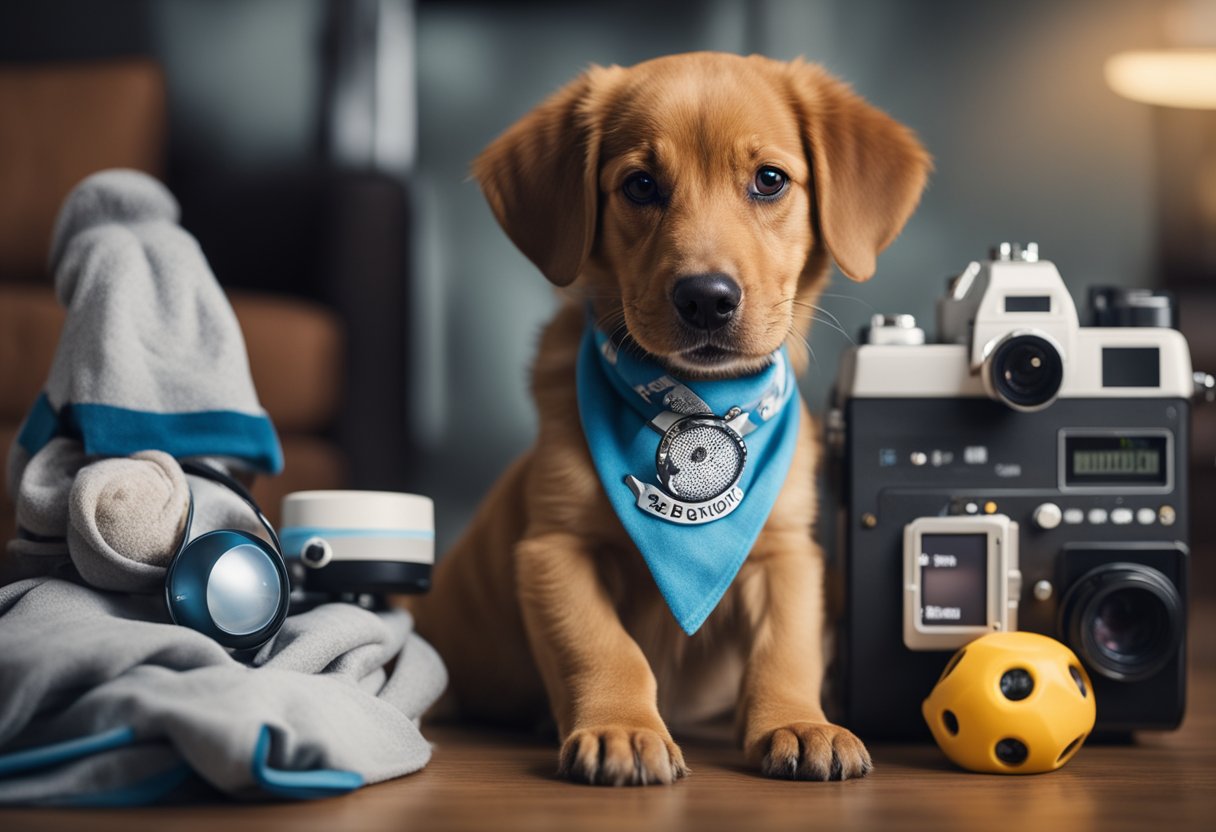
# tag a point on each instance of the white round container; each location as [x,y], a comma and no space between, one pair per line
[360,541]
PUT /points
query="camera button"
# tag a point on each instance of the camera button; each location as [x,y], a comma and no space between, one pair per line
[1146,516]
[1121,516]
[1074,516]
[1167,515]
[1097,516]
[1047,516]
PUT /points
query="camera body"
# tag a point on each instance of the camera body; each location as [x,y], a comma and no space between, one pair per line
[1024,473]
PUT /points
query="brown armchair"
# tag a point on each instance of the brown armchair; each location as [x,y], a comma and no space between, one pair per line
[59,123]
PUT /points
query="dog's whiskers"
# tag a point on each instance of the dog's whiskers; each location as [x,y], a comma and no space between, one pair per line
[835,321]
[624,340]
[836,326]
[615,315]
[796,338]
[862,301]
[613,323]
[830,321]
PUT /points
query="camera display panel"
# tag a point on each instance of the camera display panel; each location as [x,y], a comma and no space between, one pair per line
[1115,459]
[954,580]
[961,579]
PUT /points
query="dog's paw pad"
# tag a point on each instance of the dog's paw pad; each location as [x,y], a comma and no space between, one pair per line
[814,751]
[616,756]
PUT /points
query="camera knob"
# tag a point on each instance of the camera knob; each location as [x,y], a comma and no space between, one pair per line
[895,330]
[1047,516]
[1205,388]
[1015,252]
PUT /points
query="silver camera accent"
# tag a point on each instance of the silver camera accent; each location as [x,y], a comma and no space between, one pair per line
[961,580]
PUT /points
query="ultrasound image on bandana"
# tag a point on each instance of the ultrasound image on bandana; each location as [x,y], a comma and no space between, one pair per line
[703,462]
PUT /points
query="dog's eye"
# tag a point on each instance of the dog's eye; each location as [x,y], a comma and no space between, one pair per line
[769,182]
[641,188]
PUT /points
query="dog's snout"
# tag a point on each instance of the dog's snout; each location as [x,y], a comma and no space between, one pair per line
[706,301]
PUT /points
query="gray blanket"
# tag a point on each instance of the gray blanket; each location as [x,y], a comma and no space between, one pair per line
[102,700]
[104,703]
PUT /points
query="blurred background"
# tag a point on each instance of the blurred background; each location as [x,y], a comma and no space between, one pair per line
[320,148]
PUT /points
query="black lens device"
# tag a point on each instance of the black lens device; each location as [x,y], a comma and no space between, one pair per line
[1027,371]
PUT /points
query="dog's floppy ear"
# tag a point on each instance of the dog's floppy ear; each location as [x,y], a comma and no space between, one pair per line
[869,169]
[541,178]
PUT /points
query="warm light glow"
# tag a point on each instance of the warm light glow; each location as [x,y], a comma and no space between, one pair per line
[1168,77]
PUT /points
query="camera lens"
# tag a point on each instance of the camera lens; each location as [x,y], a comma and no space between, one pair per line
[1125,620]
[1027,371]
[1129,622]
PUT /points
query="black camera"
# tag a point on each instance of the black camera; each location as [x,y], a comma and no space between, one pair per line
[1024,472]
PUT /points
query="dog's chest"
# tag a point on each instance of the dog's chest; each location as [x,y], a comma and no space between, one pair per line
[698,676]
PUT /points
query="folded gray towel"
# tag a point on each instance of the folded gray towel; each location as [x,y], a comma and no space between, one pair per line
[103,703]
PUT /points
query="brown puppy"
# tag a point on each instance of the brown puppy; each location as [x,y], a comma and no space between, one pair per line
[617,186]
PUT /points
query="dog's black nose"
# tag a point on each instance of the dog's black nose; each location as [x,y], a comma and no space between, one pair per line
[706,301]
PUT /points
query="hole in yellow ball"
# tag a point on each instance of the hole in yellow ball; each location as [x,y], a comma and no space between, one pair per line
[1012,752]
[1075,673]
[1017,684]
[950,721]
[1070,749]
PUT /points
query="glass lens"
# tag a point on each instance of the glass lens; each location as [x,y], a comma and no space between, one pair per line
[1130,624]
[1026,367]
[1027,371]
[243,590]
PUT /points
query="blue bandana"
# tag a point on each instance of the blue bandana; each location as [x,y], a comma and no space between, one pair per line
[691,473]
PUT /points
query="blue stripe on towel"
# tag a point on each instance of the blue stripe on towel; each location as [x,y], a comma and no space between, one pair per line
[300,785]
[44,756]
[105,430]
[40,426]
[27,762]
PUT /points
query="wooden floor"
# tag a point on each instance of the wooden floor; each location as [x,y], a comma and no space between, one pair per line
[488,781]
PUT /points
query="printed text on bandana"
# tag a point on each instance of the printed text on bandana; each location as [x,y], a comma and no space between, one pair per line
[659,503]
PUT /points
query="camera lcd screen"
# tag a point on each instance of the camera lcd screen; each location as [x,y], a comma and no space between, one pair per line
[1114,460]
[954,580]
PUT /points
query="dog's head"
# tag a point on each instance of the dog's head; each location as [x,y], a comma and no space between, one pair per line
[696,198]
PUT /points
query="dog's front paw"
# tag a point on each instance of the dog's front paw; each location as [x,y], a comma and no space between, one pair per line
[811,751]
[619,756]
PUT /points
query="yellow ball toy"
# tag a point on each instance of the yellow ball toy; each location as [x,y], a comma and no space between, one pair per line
[1011,703]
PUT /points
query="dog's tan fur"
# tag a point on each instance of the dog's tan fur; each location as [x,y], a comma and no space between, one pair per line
[545,599]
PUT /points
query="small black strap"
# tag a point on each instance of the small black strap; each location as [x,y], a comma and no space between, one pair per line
[208,472]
